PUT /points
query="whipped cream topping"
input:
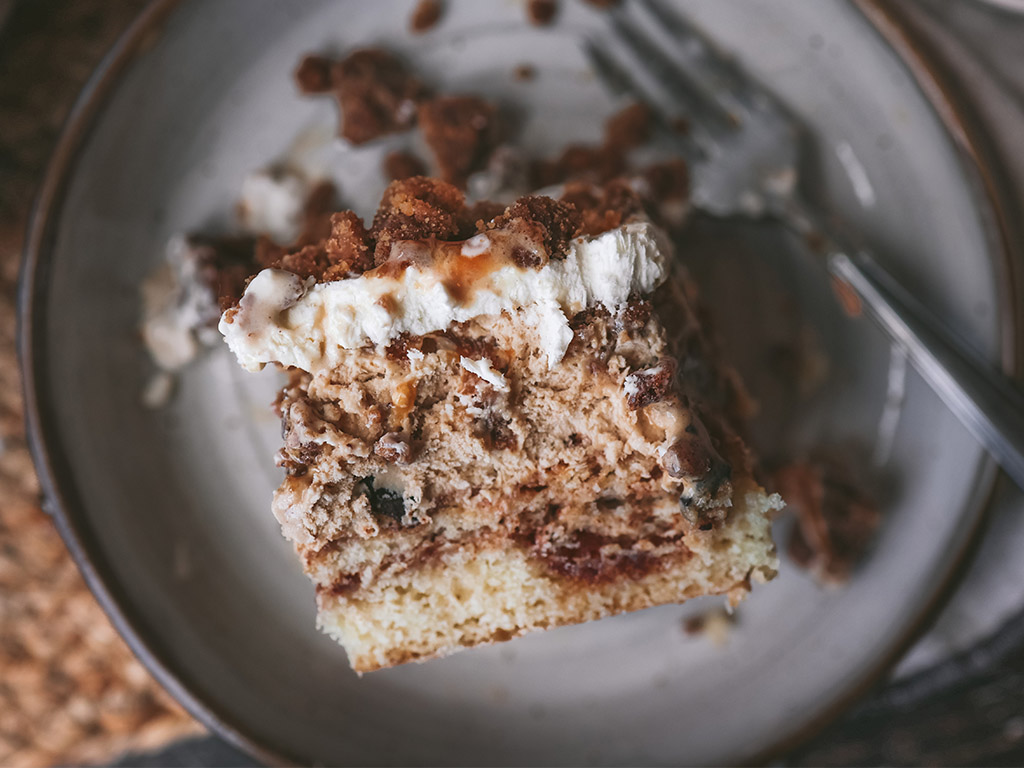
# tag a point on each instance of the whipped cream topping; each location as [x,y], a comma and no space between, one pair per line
[282,319]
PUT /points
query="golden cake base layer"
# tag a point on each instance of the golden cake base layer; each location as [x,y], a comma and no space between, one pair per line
[480,595]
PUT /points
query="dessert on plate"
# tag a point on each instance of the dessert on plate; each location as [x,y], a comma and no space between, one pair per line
[500,419]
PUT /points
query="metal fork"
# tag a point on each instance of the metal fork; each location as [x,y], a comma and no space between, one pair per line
[744,151]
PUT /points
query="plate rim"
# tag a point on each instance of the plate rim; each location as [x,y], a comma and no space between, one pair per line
[60,499]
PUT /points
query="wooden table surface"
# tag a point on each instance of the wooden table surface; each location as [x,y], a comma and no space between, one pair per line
[970,712]
[70,690]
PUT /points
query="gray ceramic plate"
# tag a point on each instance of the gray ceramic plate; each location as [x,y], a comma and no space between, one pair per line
[168,513]
[1017,6]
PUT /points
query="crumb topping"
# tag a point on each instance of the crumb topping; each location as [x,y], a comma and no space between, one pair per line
[579,162]
[553,223]
[423,214]
[836,519]
[376,93]
[600,183]
[479,214]
[604,207]
[314,74]
[345,252]
[630,127]
[541,12]
[400,165]
[416,209]
[425,16]
[668,180]
[534,229]
[378,96]
[627,129]
[524,72]
[461,131]
[321,203]
[225,263]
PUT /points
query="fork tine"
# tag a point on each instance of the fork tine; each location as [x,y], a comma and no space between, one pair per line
[613,73]
[695,41]
[700,56]
[609,70]
[619,56]
[652,51]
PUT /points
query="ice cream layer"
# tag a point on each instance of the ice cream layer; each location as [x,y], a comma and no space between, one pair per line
[428,286]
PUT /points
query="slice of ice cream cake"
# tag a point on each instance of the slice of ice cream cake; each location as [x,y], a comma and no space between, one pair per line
[499,423]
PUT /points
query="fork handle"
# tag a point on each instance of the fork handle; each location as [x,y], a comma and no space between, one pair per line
[985,401]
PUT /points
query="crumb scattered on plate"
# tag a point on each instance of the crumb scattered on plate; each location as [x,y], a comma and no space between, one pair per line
[836,519]
[541,12]
[425,16]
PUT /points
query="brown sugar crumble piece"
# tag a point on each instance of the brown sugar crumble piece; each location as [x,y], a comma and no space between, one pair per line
[668,191]
[629,127]
[415,209]
[479,214]
[321,202]
[425,15]
[223,263]
[551,223]
[600,183]
[524,73]
[578,162]
[418,208]
[541,12]
[582,166]
[604,207]
[346,251]
[461,131]
[835,518]
[375,92]
[314,74]
[668,179]
[403,165]
[322,247]
[716,624]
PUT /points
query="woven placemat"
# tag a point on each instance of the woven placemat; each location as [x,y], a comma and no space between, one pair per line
[70,690]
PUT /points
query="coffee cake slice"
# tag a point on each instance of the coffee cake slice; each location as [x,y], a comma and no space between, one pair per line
[500,424]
